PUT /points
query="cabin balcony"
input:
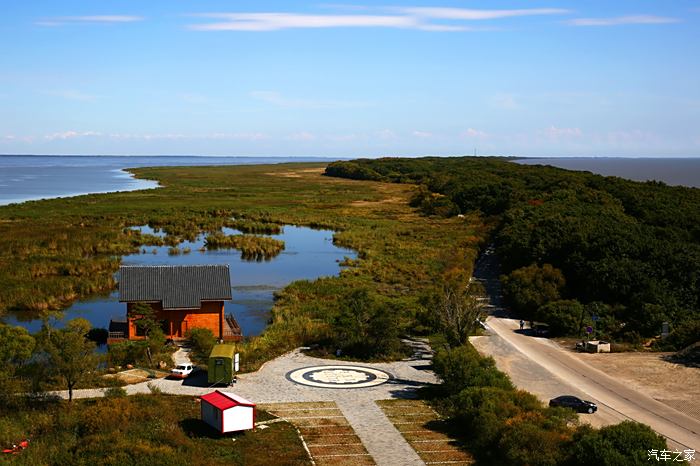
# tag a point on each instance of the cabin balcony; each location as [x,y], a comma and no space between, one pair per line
[232,331]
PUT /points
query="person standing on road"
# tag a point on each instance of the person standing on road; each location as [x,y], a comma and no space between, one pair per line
[522,324]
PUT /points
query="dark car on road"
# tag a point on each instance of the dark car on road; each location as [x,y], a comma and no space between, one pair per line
[575,403]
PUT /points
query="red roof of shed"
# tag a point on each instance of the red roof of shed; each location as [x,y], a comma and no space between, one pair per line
[223,400]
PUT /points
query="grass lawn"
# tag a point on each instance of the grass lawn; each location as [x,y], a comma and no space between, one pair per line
[142,430]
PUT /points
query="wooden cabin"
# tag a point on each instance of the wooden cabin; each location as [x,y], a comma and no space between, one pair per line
[183,297]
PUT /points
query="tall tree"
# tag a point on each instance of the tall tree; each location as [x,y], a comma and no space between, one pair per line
[71,356]
[459,311]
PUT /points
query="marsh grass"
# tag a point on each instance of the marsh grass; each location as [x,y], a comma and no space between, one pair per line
[401,253]
[251,247]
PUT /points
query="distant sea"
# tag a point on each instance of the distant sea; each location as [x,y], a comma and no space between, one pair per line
[34,177]
[672,171]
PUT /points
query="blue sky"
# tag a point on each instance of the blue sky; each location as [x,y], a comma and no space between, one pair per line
[535,78]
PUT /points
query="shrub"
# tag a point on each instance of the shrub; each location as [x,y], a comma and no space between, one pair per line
[365,326]
[115,392]
[531,287]
[202,340]
[462,367]
[622,444]
[564,317]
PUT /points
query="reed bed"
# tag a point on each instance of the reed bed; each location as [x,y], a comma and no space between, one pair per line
[252,247]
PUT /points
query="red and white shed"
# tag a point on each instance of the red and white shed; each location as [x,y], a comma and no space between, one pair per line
[227,412]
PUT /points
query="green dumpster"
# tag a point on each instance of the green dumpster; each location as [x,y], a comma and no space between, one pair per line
[221,364]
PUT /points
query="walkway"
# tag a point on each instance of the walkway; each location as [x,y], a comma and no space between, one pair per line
[271,385]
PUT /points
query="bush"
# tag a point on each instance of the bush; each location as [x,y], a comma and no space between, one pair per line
[564,317]
[531,287]
[365,326]
[115,392]
[462,367]
[127,352]
[526,441]
[622,444]
[202,340]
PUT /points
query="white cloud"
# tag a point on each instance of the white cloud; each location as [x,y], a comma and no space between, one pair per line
[622,20]
[422,134]
[70,135]
[477,15]
[62,20]
[554,132]
[277,21]
[386,134]
[277,99]
[402,18]
[473,133]
[243,136]
[303,136]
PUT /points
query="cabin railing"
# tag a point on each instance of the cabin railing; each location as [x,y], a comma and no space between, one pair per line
[232,331]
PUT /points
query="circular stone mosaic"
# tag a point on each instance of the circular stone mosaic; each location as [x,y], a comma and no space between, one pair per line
[338,376]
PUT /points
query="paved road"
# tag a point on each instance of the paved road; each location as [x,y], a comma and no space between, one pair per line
[617,400]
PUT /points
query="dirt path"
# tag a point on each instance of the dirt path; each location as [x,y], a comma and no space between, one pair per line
[550,370]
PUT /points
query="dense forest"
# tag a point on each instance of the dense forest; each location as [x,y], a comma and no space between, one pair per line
[577,249]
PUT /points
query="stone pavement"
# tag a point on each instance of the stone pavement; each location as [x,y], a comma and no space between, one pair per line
[271,385]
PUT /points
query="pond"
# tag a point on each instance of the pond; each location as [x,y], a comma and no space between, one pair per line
[308,254]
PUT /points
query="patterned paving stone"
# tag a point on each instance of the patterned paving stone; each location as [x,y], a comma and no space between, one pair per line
[416,422]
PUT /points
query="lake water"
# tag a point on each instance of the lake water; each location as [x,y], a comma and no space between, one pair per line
[26,178]
[672,171]
[308,254]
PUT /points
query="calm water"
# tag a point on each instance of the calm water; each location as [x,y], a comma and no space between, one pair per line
[672,171]
[308,254]
[26,178]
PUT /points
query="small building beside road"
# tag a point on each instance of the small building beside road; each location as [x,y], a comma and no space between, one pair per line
[597,346]
[227,412]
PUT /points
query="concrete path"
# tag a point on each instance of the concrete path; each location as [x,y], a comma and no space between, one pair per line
[182,356]
[378,434]
[270,385]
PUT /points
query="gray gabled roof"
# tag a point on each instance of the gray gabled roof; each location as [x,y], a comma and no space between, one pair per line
[177,287]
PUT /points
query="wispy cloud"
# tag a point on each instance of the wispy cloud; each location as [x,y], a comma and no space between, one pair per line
[302,136]
[479,15]
[242,136]
[279,100]
[505,101]
[554,132]
[422,134]
[70,135]
[422,18]
[473,133]
[62,20]
[623,20]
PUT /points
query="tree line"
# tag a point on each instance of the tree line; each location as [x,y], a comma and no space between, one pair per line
[577,249]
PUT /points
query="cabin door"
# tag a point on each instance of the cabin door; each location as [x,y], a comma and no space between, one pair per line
[178,328]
